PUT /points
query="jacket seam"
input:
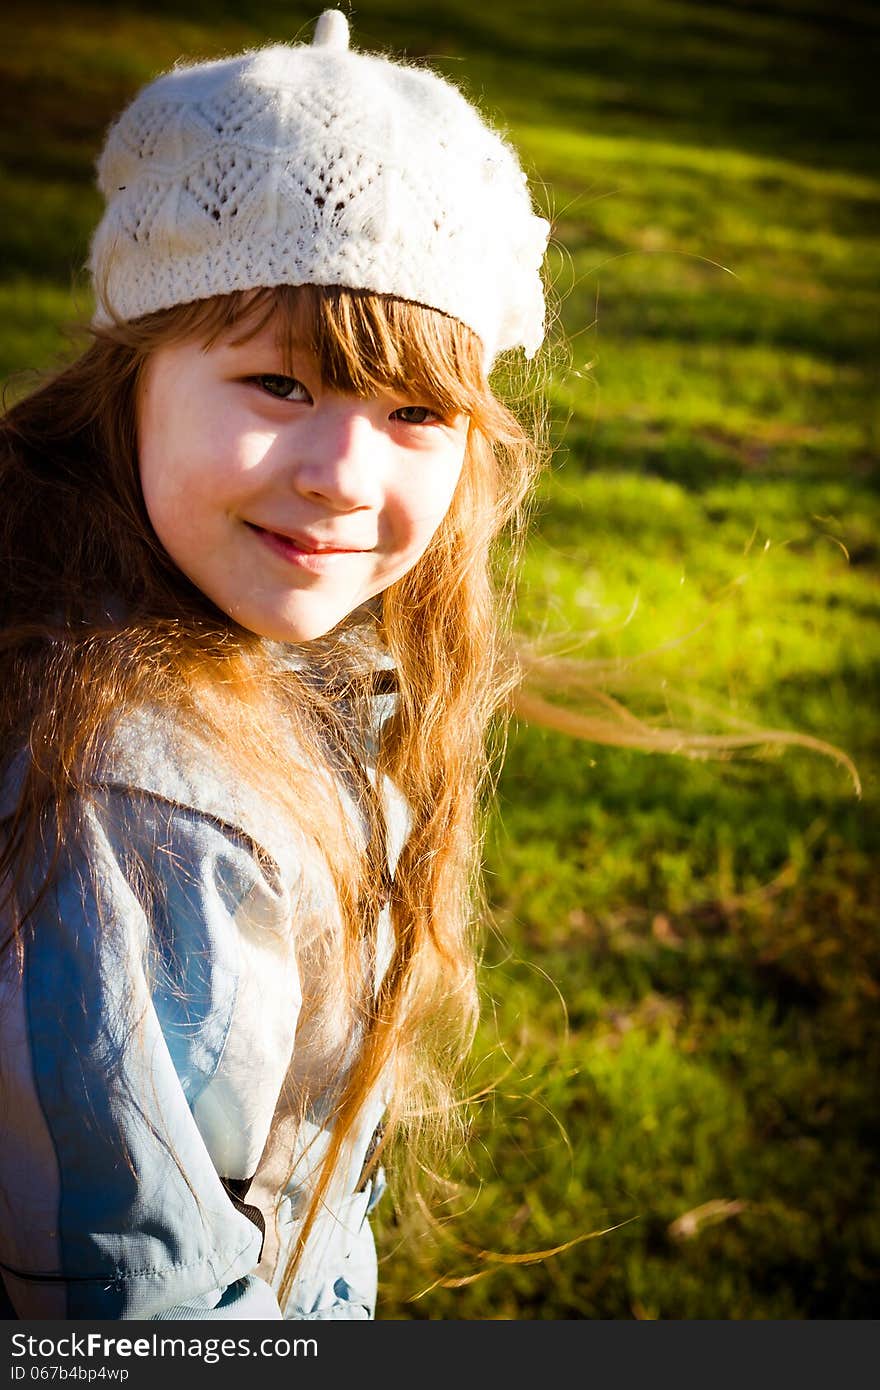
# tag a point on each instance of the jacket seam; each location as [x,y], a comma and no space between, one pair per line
[122,1276]
[249,841]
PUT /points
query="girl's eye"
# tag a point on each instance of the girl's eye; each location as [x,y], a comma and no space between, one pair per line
[415,415]
[283,388]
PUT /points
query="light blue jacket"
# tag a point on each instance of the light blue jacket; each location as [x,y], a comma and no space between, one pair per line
[136,1106]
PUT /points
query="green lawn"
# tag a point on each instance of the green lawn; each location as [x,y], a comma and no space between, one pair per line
[680,1050]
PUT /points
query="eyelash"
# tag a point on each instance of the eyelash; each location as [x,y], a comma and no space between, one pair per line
[432,414]
[290,381]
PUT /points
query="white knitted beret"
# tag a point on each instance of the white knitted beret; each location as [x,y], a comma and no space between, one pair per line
[316,165]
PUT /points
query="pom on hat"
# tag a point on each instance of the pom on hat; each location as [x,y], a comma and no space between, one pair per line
[331,30]
[313,164]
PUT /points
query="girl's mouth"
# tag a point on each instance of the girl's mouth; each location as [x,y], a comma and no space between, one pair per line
[318,561]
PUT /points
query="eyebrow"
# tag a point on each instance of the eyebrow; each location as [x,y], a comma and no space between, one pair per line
[261,343]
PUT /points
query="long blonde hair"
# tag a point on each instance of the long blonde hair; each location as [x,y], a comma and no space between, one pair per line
[75,534]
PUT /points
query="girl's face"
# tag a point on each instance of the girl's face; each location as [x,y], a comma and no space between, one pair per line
[288,505]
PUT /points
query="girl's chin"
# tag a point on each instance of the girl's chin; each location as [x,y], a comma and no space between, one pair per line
[299,627]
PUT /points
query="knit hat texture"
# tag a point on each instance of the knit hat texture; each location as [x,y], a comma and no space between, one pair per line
[314,164]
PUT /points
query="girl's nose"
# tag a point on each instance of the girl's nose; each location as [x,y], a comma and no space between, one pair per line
[340,460]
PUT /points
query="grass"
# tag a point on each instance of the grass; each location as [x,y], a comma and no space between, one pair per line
[680,1046]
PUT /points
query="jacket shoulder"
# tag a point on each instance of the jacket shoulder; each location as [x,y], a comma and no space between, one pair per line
[154,752]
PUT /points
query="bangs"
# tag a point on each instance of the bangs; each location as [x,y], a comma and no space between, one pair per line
[363,342]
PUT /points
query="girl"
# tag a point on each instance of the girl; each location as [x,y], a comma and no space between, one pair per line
[251,645]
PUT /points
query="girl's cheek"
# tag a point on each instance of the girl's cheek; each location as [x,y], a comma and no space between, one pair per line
[417,520]
[431,498]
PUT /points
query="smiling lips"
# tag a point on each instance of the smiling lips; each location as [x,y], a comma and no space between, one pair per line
[293,551]
[306,545]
